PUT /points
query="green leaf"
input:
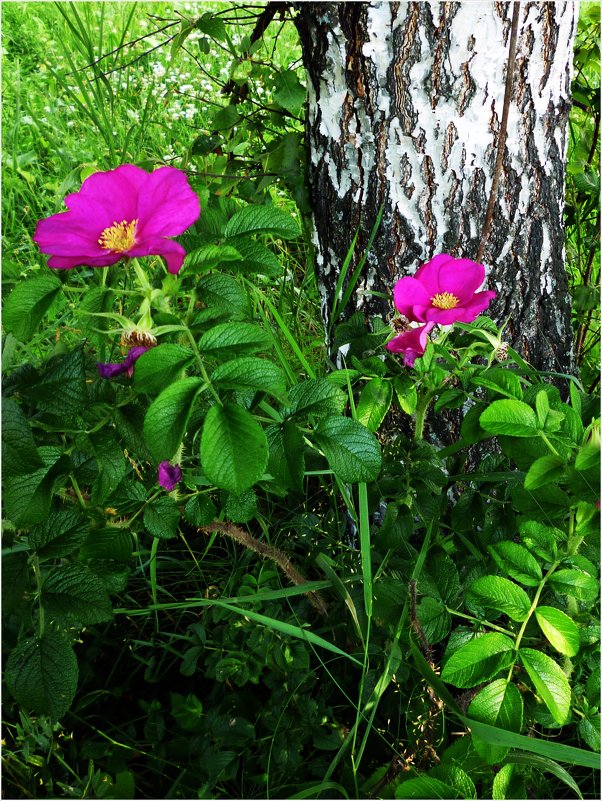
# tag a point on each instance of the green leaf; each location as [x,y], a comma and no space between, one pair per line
[496,736]
[511,417]
[256,257]
[479,660]
[19,453]
[28,303]
[575,583]
[61,389]
[588,456]
[286,458]
[350,449]
[234,448]
[589,731]
[374,403]
[507,783]
[543,471]
[561,631]
[496,592]
[499,380]
[450,399]
[112,542]
[517,562]
[250,372]
[212,25]
[262,219]
[434,619]
[222,295]
[440,577]
[200,510]
[540,539]
[59,534]
[550,683]
[444,781]
[161,517]
[167,417]
[499,704]
[228,339]
[405,390]
[209,256]
[240,508]
[129,430]
[41,673]
[542,406]
[27,498]
[225,118]
[160,366]
[289,92]
[315,396]
[111,465]
[74,593]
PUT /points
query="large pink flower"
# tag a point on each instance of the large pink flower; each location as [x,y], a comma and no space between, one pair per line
[444,290]
[411,343]
[123,212]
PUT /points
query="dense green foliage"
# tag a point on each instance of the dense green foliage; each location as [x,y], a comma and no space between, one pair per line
[319,609]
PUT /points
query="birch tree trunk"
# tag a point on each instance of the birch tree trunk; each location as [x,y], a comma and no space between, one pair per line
[405,104]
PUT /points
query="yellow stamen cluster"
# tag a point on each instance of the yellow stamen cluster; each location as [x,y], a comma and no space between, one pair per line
[445,300]
[119,237]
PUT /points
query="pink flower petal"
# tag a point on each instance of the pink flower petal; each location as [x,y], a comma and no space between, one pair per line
[411,343]
[167,206]
[471,310]
[67,234]
[429,273]
[115,192]
[172,252]
[461,277]
[68,262]
[168,475]
[408,294]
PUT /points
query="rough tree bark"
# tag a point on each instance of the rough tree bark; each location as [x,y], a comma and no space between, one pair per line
[405,104]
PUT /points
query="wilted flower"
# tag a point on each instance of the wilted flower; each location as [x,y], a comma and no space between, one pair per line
[444,290]
[411,343]
[121,368]
[169,475]
[125,212]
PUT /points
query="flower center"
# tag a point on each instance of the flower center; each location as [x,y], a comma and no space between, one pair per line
[119,237]
[445,300]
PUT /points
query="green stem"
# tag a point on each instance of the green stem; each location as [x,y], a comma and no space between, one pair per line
[37,573]
[532,609]
[480,622]
[548,443]
[78,492]
[421,409]
[573,543]
[201,365]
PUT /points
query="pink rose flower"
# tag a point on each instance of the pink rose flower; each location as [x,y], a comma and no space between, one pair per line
[169,475]
[411,343]
[443,291]
[125,212]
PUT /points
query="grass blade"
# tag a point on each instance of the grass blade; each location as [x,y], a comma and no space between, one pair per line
[288,629]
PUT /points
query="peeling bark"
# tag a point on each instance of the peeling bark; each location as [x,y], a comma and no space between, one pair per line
[405,103]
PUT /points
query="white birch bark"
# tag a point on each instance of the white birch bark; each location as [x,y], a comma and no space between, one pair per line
[405,103]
